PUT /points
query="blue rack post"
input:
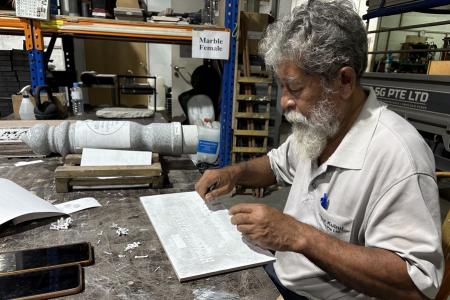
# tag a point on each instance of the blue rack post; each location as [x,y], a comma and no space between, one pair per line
[35,49]
[226,106]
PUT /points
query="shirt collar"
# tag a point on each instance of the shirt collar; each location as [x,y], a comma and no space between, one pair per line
[351,152]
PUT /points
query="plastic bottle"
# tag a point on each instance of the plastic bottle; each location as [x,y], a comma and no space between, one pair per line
[208,143]
[26,110]
[77,99]
[388,63]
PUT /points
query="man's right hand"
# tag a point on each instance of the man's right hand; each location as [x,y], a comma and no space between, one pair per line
[215,183]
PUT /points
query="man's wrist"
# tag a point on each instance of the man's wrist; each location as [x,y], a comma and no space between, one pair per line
[237,171]
[301,237]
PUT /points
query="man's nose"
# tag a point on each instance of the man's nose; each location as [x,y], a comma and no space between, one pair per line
[287,102]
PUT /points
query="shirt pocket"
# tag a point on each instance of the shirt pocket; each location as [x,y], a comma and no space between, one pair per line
[333,224]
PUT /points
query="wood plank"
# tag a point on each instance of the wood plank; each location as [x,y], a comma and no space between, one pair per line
[249,150]
[254,79]
[77,171]
[251,132]
[262,116]
[252,98]
[112,181]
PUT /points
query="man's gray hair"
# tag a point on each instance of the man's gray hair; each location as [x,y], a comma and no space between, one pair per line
[320,37]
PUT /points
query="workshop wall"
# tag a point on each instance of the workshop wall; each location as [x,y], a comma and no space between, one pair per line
[116,58]
[433,34]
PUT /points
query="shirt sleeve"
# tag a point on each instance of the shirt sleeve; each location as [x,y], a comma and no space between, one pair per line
[283,162]
[406,220]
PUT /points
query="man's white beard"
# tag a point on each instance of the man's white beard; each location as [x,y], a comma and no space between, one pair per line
[310,135]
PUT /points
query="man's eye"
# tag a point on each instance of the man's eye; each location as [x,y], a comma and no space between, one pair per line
[295,91]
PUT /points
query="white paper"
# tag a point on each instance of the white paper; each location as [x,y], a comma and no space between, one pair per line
[34,9]
[77,205]
[102,134]
[106,157]
[198,241]
[25,163]
[210,44]
[19,204]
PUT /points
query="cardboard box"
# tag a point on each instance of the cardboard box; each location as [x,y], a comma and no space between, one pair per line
[414,39]
[255,24]
[439,67]
[61,103]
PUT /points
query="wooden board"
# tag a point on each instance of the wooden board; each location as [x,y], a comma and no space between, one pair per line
[72,174]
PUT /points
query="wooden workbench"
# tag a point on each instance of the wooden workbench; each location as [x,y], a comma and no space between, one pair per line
[114,277]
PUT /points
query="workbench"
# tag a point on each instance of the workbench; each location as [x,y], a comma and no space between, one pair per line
[114,277]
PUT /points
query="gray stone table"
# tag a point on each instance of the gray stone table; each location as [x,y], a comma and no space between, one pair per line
[114,277]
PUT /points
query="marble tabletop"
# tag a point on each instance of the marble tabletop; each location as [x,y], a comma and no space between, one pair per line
[117,274]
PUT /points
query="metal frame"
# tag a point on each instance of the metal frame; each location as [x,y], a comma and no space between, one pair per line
[35,47]
[399,9]
[226,104]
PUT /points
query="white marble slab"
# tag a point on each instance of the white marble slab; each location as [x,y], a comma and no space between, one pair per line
[200,241]
[108,157]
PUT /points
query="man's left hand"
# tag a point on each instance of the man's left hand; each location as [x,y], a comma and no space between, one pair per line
[266,226]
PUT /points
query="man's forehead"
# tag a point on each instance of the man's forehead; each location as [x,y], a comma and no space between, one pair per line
[290,73]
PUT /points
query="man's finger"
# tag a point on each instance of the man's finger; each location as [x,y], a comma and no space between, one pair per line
[245,229]
[241,208]
[218,191]
[203,185]
[241,218]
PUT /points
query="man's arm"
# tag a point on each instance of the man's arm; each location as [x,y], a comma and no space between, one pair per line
[253,173]
[373,271]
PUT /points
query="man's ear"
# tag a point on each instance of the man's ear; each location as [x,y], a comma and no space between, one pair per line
[347,81]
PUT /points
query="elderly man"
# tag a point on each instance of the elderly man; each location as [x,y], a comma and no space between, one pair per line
[362,216]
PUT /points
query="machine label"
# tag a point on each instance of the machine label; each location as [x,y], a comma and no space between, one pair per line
[426,100]
[210,44]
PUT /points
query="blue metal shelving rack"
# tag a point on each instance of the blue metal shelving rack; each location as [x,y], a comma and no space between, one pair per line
[35,50]
[226,108]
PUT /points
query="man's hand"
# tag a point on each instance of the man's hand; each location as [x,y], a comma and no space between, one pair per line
[215,183]
[267,227]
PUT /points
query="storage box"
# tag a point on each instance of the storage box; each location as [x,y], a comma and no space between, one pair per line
[439,67]
[414,39]
[61,103]
[255,24]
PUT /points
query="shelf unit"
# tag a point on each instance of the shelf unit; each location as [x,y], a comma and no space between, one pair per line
[95,28]
[430,115]
[404,8]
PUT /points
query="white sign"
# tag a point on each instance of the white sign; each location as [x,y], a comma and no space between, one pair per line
[34,9]
[210,44]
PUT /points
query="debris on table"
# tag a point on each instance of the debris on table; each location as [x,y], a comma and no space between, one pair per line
[140,256]
[132,246]
[106,252]
[61,224]
[122,231]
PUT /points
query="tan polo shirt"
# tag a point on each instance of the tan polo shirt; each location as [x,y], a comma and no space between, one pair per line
[381,192]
